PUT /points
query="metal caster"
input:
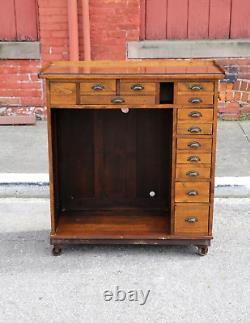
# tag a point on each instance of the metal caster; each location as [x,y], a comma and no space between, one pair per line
[202,250]
[56,251]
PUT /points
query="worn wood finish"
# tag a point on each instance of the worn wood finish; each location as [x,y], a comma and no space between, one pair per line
[191,219]
[134,171]
[195,115]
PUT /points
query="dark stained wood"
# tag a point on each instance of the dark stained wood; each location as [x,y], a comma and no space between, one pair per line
[122,172]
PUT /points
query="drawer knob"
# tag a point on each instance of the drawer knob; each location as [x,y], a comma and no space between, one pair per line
[98,87]
[196,87]
[195,114]
[193,158]
[192,173]
[195,100]
[117,100]
[194,130]
[191,219]
[194,145]
[137,87]
[192,193]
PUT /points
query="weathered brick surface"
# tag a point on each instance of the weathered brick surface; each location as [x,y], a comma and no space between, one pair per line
[113,23]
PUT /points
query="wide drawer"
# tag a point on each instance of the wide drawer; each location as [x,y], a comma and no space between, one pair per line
[191,219]
[192,172]
[192,99]
[136,88]
[110,99]
[192,192]
[194,129]
[195,158]
[195,87]
[98,87]
[194,144]
[62,93]
[195,115]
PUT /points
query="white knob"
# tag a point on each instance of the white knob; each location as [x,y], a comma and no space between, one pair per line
[152,194]
[125,110]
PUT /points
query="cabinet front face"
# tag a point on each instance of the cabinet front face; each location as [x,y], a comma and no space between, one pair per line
[132,158]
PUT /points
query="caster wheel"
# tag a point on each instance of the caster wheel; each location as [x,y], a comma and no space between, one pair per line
[56,251]
[202,250]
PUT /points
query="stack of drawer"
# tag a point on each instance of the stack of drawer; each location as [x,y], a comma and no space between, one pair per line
[193,157]
[103,92]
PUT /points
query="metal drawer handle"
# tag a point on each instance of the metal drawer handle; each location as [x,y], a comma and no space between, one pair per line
[98,87]
[195,100]
[195,114]
[193,158]
[194,130]
[191,219]
[192,173]
[196,87]
[137,87]
[117,100]
[194,145]
[192,193]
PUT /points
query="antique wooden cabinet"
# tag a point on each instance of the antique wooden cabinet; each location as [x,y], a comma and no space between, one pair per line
[132,151]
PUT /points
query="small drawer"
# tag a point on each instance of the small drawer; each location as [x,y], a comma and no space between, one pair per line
[195,87]
[98,87]
[187,99]
[62,93]
[192,172]
[195,144]
[195,158]
[136,88]
[117,100]
[195,115]
[194,129]
[192,192]
[191,219]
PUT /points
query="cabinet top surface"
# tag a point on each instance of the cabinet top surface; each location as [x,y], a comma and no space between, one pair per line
[172,68]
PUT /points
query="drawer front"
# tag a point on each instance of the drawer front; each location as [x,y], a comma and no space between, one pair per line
[195,87]
[136,88]
[98,87]
[194,129]
[115,100]
[192,218]
[62,93]
[189,99]
[192,192]
[194,144]
[192,172]
[195,158]
[195,115]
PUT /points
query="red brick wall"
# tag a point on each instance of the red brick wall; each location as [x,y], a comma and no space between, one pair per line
[113,23]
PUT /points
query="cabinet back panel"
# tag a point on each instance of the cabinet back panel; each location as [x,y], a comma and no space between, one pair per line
[110,159]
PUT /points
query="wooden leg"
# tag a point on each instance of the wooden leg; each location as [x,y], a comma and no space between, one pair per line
[57,250]
[202,250]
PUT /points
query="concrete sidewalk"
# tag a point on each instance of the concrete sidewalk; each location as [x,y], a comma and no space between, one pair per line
[184,287]
[24,161]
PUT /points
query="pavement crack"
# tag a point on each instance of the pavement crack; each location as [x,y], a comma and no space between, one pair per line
[244,133]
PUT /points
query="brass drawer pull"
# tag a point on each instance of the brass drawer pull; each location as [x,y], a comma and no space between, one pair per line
[196,87]
[98,87]
[193,158]
[191,219]
[192,173]
[137,87]
[192,193]
[117,100]
[195,114]
[194,130]
[195,100]
[194,145]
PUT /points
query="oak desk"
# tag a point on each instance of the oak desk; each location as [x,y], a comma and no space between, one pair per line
[132,151]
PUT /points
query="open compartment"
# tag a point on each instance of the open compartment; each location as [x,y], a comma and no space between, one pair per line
[166,92]
[112,172]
